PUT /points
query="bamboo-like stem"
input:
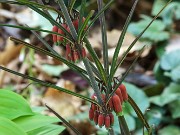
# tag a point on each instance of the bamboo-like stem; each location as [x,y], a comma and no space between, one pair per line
[104,37]
[93,81]
[122,122]
[111,131]
[85,61]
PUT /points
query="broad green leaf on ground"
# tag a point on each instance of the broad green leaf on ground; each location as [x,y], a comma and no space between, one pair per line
[159,74]
[171,13]
[13,105]
[130,122]
[39,21]
[161,48]
[47,130]
[29,123]
[170,93]
[175,109]
[155,33]
[155,115]
[158,4]
[7,127]
[170,60]
[138,96]
[175,74]
[169,130]
[54,70]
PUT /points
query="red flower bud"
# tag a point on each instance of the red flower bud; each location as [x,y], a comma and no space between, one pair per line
[110,104]
[94,107]
[93,96]
[103,97]
[75,23]
[96,115]
[54,29]
[117,103]
[60,38]
[107,121]
[91,114]
[68,29]
[118,92]
[83,52]
[111,118]
[124,92]
[68,52]
[101,120]
[75,56]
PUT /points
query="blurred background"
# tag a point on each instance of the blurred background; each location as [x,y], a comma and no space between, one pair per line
[154,81]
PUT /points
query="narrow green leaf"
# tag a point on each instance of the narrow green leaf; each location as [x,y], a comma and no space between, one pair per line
[44,42]
[119,44]
[139,113]
[82,9]
[96,60]
[46,7]
[134,42]
[83,26]
[69,64]
[68,19]
[13,105]
[104,37]
[8,127]
[71,5]
[93,81]
[95,70]
[64,121]
[126,73]
[50,19]
[36,29]
[49,85]
[50,129]
[29,123]
[97,16]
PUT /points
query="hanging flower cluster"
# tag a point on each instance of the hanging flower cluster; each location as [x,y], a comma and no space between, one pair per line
[103,115]
[73,53]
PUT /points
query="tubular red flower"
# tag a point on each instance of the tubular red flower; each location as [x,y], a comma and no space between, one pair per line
[111,119]
[54,29]
[96,115]
[75,56]
[124,92]
[83,52]
[107,121]
[91,114]
[101,120]
[118,92]
[110,104]
[117,103]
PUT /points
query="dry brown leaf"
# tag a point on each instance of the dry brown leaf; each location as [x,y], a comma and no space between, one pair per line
[64,104]
[112,37]
[11,52]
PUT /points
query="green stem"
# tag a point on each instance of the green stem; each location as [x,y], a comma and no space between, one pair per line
[111,131]
[68,19]
[122,122]
[104,37]
[49,85]
[93,81]
[139,114]
[64,121]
